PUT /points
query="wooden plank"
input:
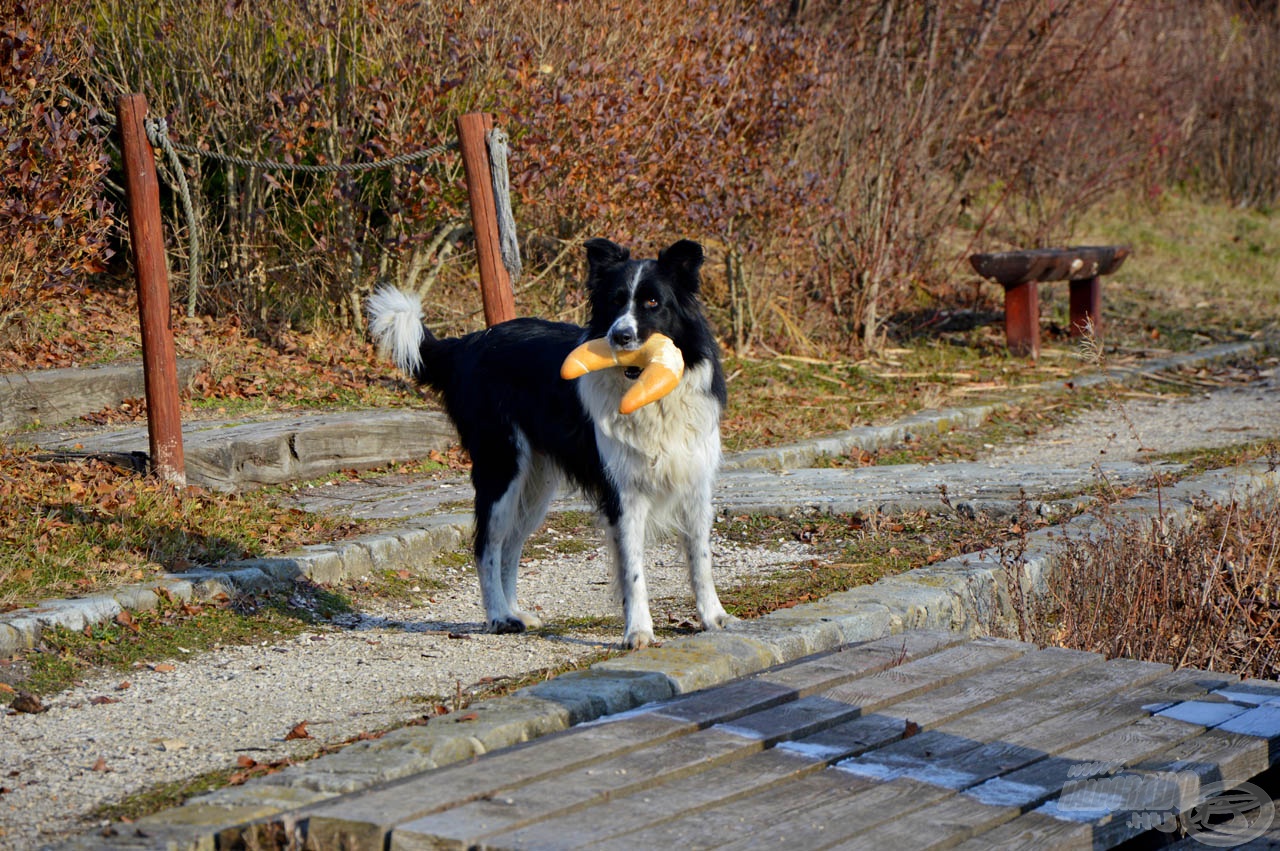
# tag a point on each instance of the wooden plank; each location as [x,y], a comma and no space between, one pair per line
[1010,268]
[364,820]
[871,731]
[469,823]
[1080,688]
[1197,768]
[974,747]
[806,676]
[818,809]
[999,683]
[931,675]
[369,818]
[1027,787]
[532,802]
[684,797]
[931,672]
[1005,798]
[942,825]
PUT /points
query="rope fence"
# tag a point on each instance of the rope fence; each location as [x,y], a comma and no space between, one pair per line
[484,155]
[157,129]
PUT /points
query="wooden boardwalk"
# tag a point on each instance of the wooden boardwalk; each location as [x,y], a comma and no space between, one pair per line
[923,740]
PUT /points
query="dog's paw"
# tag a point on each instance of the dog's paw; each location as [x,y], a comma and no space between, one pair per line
[638,639]
[529,619]
[719,619]
[506,625]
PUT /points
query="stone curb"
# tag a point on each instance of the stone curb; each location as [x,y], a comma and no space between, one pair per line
[805,452]
[969,593]
[57,395]
[321,563]
[407,546]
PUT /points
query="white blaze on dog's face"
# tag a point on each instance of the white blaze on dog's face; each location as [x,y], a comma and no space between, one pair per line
[633,299]
[624,333]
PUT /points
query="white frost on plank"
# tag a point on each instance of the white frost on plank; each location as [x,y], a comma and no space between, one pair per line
[999,792]
[812,750]
[1202,712]
[1261,721]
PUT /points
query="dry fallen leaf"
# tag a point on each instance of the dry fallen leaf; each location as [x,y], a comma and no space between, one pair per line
[102,699]
[100,765]
[298,732]
[29,703]
[164,668]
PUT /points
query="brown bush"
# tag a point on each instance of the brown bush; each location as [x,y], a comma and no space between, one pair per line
[1201,593]
[838,159]
[54,219]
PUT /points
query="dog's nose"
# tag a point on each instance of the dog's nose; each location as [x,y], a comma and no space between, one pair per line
[621,337]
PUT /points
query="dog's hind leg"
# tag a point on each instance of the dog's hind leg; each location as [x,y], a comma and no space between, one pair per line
[626,539]
[499,480]
[695,536]
[538,485]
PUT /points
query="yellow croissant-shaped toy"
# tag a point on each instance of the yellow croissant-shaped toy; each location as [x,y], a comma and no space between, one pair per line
[660,360]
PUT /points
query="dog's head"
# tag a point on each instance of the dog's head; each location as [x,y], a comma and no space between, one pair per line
[631,299]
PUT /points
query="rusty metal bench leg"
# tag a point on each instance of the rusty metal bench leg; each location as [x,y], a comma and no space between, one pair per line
[1086,306]
[1022,319]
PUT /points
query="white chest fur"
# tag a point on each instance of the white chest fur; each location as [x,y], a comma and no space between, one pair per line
[663,448]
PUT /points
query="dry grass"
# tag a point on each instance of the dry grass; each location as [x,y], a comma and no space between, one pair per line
[1203,593]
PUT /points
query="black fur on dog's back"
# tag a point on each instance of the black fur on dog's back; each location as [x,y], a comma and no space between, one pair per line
[509,376]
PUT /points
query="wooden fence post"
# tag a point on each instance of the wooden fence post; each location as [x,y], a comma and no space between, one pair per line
[146,243]
[495,283]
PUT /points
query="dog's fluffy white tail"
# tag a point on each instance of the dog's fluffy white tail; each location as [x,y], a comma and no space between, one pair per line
[395,321]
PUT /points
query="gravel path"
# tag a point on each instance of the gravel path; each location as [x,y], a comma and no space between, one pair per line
[395,660]
[385,666]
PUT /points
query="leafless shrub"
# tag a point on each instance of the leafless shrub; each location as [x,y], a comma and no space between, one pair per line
[838,159]
[1204,593]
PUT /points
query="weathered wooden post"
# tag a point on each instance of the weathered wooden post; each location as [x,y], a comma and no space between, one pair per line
[146,244]
[1084,300]
[495,283]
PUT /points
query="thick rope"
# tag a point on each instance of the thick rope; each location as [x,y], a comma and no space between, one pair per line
[508,246]
[158,136]
[323,168]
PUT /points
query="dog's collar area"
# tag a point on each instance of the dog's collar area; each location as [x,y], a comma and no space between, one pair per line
[632,372]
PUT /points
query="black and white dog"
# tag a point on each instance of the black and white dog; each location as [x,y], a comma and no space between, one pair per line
[527,429]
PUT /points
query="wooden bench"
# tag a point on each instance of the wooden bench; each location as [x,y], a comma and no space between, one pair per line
[1020,273]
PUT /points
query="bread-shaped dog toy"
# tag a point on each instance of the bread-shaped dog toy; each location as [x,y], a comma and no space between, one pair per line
[660,361]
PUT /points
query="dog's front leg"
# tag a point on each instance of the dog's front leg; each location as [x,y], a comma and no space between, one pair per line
[627,538]
[696,538]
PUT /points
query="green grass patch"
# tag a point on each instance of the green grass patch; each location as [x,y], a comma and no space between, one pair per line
[850,550]
[171,630]
[1200,271]
[784,399]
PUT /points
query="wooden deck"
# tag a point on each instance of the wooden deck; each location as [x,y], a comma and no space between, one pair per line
[923,740]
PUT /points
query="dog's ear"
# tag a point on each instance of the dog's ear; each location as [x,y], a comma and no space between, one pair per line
[684,258]
[602,254]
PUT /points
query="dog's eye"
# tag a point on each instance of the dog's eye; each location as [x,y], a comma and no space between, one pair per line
[651,303]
